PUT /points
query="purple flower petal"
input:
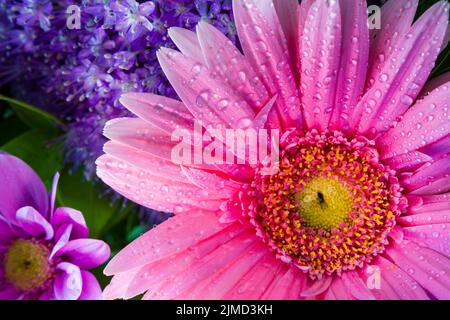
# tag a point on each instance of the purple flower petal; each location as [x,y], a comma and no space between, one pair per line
[53,194]
[9,294]
[63,236]
[85,253]
[20,187]
[6,232]
[34,223]
[71,216]
[68,282]
[91,287]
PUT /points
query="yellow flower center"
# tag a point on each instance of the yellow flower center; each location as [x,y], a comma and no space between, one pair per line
[324,203]
[26,265]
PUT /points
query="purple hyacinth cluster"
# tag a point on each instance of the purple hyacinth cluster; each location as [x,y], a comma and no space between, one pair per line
[79,73]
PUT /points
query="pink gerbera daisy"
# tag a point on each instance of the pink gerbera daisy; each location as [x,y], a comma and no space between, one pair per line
[359,207]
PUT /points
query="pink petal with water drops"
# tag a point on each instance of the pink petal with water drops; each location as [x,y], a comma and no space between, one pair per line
[434,235]
[316,287]
[396,284]
[187,42]
[288,15]
[164,113]
[286,286]
[265,47]
[338,291]
[320,62]
[353,62]
[396,20]
[430,179]
[206,267]
[437,149]
[209,99]
[153,274]
[139,134]
[435,83]
[408,161]
[257,280]
[425,265]
[171,237]
[117,288]
[356,286]
[155,192]
[424,123]
[216,285]
[212,182]
[223,58]
[400,81]
[303,10]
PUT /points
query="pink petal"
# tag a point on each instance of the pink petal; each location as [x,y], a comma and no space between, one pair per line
[286,286]
[429,179]
[426,266]
[153,191]
[141,135]
[396,20]
[187,42]
[354,59]
[232,66]
[211,182]
[117,288]
[434,84]
[255,282]
[338,291]
[206,268]
[408,161]
[396,88]
[33,223]
[68,282]
[316,287]
[264,45]
[434,235]
[171,237]
[424,123]
[356,286]
[209,99]
[216,285]
[153,274]
[320,62]
[288,15]
[164,113]
[396,284]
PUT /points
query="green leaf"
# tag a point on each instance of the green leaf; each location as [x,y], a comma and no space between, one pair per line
[75,192]
[40,151]
[11,127]
[32,116]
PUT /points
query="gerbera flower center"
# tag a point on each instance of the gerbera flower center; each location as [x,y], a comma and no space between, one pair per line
[324,203]
[331,205]
[26,265]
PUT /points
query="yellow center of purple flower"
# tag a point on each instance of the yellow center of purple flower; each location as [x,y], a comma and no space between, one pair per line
[26,265]
[331,205]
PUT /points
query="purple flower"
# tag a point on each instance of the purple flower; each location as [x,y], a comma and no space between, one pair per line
[44,252]
[80,73]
